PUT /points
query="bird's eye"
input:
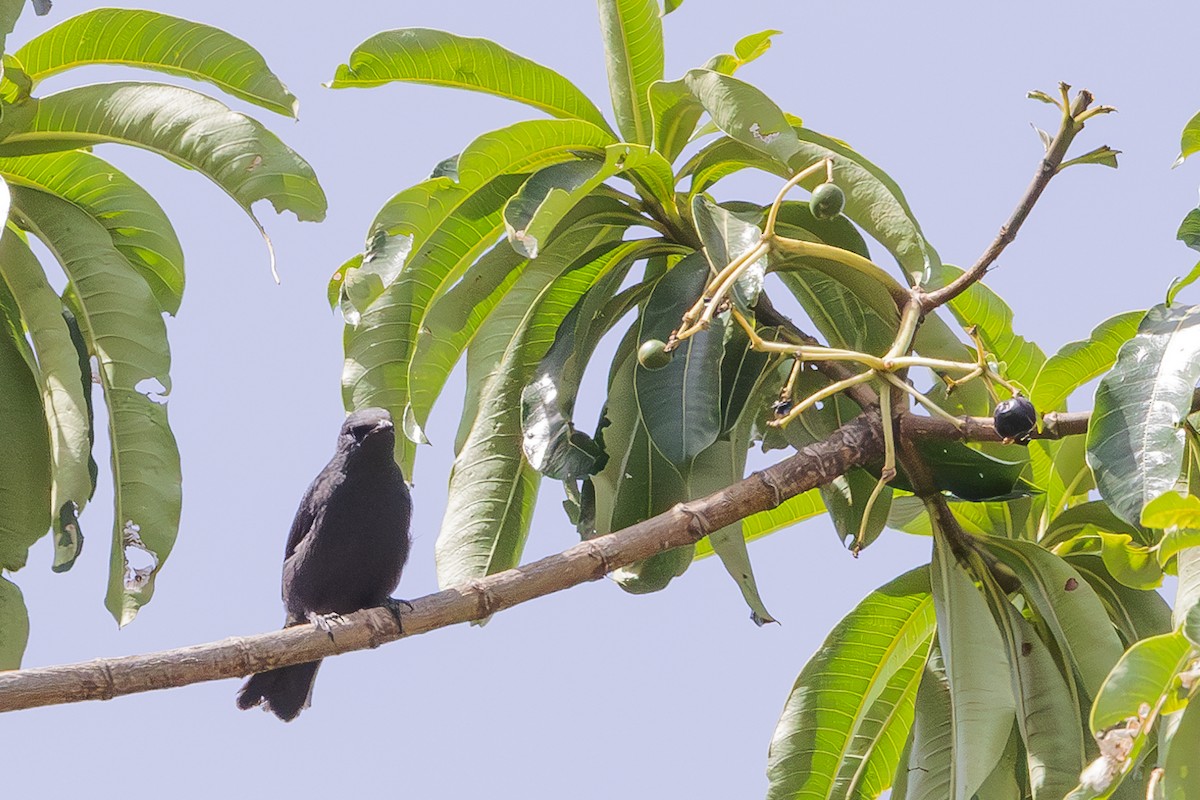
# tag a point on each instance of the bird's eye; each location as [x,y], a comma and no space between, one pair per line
[360,432]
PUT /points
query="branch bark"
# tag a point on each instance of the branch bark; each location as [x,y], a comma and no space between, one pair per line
[858,442]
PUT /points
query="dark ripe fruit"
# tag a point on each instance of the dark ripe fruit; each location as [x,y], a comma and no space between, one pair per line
[827,201]
[653,354]
[1015,418]
[782,408]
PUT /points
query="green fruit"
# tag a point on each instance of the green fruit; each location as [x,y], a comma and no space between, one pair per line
[827,201]
[653,354]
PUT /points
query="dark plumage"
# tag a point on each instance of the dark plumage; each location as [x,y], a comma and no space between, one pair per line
[347,546]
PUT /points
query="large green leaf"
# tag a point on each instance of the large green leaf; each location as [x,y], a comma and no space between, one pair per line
[1136,614]
[1076,363]
[982,308]
[421,55]
[14,625]
[1069,608]
[926,768]
[139,227]
[877,650]
[1181,779]
[1135,442]
[790,512]
[1007,518]
[148,39]
[633,49]
[1145,673]
[680,404]
[492,486]
[238,154]
[981,697]
[63,393]
[125,332]
[25,467]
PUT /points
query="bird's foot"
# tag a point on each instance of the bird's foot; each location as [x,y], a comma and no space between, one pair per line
[392,604]
[326,622]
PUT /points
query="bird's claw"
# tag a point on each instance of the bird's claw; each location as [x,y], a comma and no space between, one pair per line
[326,622]
[392,604]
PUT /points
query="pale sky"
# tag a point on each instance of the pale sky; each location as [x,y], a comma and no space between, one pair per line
[590,693]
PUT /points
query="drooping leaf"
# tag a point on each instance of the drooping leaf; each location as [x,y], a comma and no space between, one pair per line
[926,769]
[62,393]
[1135,442]
[492,486]
[846,498]
[421,55]
[981,697]
[727,238]
[1076,363]
[633,49]
[148,39]
[139,227]
[791,512]
[1136,614]
[1180,777]
[680,404]
[125,332]
[14,625]
[885,639]
[1131,564]
[25,469]
[1068,606]
[1086,519]
[1143,675]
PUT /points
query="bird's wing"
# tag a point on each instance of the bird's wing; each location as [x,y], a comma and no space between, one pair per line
[315,498]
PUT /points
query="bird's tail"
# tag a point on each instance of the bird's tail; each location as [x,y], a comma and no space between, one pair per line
[286,691]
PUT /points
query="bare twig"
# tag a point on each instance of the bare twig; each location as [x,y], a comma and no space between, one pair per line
[854,444]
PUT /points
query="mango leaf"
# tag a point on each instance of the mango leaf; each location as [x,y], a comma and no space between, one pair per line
[371,274]
[1180,776]
[846,498]
[125,332]
[550,193]
[492,486]
[968,473]
[992,319]
[1189,140]
[982,703]
[421,55]
[633,49]
[1060,469]
[1068,606]
[139,227]
[1136,614]
[1145,673]
[1130,563]
[1010,519]
[680,404]
[926,768]
[1086,519]
[830,721]
[1135,442]
[26,468]
[1179,284]
[1179,517]
[727,238]
[62,394]
[1047,706]
[791,512]
[150,40]
[1076,363]
[14,625]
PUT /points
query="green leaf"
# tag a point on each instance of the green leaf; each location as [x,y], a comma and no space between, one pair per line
[492,487]
[63,398]
[675,113]
[1009,518]
[680,404]
[982,703]
[1179,284]
[1189,229]
[1076,363]
[926,770]
[550,193]
[982,308]
[1103,155]
[10,10]
[1135,442]
[791,512]
[846,498]
[139,227]
[831,719]
[25,468]
[147,39]
[1087,519]
[967,473]
[1136,614]
[726,238]
[1068,606]
[1179,517]
[633,50]
[1181,778]
[125,332]
[1131,564]
[1189,140]
[14,625]
[1144,674]
[238,154]
[421,55]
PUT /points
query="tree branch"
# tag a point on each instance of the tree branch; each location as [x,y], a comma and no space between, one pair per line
[854,444]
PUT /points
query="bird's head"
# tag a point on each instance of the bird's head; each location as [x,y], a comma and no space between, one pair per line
[369,427]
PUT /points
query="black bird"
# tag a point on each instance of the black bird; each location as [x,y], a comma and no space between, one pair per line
[347,547]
